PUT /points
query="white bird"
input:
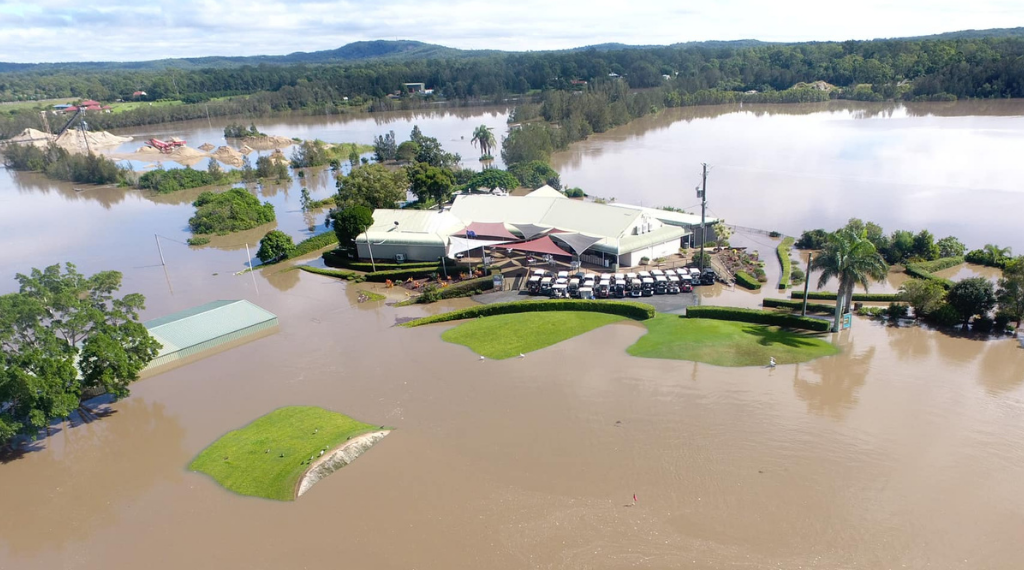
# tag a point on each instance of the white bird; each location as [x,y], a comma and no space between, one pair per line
[521,355]
[771,362]
[481,358]
[321,452]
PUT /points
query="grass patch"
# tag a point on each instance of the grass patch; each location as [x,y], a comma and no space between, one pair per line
[346,275]
[726,343]
[505,336]
[782,251]
[371,296]
[241,463]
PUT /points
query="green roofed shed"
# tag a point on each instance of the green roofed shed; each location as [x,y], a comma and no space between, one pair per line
[189,334]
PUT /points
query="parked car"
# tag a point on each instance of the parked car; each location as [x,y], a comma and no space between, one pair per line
[533,286]
[708,277]
[563,275]
[685,286]
[619,289]
[635,288]
[647,286]
[574,287]
[603,290]
[545,285]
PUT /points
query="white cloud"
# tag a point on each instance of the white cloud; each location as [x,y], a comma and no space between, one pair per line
[56,30]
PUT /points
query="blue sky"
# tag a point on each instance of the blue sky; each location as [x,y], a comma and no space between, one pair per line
[58,30]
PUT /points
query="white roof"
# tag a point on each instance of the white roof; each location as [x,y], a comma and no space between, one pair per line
[546,191]
[667,217]
[414,226]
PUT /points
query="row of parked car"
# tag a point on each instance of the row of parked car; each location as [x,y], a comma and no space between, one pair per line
[618,285]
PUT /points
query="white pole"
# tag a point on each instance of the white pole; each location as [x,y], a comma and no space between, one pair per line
[160,249]
[249,258]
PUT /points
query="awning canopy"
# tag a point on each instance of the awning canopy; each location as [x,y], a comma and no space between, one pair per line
[457,245]
[531,231]
[540,245]
[487,230]
[577,241]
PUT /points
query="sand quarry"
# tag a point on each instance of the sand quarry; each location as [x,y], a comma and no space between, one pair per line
[77,141]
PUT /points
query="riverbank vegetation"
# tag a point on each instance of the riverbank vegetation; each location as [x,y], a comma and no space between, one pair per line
[690,74]
[268,457]
[166,181]
[232,211]
[725,343]
[782,251]
[59,164]
[65,337]
[505,336]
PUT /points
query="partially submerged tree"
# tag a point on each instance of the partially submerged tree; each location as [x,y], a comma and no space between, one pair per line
[351,222]
[372,185]
[275,245]
[431,183]
[852,260]
[1011,290]
[64,336]
[973,296]
[924,295]
[484,138]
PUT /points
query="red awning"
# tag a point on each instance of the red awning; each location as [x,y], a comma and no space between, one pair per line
[540,245]
[488,230]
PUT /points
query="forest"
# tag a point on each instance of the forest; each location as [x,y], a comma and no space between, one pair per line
[926,69]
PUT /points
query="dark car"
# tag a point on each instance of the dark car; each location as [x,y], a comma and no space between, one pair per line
[708,277]
[619,290]
[602,291]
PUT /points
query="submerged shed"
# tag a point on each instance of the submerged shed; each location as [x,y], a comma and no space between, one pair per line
[197,332]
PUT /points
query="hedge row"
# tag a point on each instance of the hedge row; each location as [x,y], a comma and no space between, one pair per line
[926,269]
[338,258]
[314,243]
[747,280]
[403,274]
[798,305]
[628,309]
[331,272]
[862,297]
[787,266]
[759,317]
[460,289]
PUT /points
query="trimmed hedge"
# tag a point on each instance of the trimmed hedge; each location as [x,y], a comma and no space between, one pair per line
[925,270]
[862,297]
[331,272]
[461,289]
[787,266]
[628,309]
[758,316]
[340,259]
[403,274]
[798,305]
[747,280]
[314,243]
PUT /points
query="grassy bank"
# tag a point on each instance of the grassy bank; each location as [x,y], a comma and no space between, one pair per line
[505,336]
[726,343]
[268,457]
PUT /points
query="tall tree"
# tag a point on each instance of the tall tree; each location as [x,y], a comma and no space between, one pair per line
[61,336]
[431,182]
[275,245]
[973,296]
[372,185]
[351,222]
[852,260]
[950,246]
[1011,290]
[484,138]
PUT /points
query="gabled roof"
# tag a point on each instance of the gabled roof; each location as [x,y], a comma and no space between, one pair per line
[546,191]
[570,215]
[414,227]
[204,323]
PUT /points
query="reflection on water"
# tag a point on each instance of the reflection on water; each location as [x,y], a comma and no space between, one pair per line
[830,385]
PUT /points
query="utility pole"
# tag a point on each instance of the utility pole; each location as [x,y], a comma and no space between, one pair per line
[807,283]
[702,193]
[161,250]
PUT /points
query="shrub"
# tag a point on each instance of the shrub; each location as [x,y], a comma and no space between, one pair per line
[774,234]
[925,269]
[1002,322]
[628,309]
[945,316]
[465,288]
[783,252]
[896,311]
[198,240]
[812,239]
[983,324]
[274,246]
[348,275]
[798,275]
[862,297]
[746,280]
[758,316]
[871,311]
[645,260]
[797,305]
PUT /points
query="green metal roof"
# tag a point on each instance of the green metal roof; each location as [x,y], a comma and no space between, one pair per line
[201,324]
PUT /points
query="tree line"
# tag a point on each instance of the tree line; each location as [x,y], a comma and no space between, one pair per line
[690,74]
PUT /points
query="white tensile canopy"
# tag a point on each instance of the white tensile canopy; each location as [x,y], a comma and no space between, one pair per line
[457,245]
[576,241]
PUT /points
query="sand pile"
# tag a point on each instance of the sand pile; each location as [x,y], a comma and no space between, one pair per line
[33,137]
[338,457]
[278,156]
[73,140]
[246,149]
[206,147]
[268,142]
[187,156]
[228,156]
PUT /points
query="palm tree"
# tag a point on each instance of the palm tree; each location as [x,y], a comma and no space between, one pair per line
[996,253]
[484,138]
[852,260]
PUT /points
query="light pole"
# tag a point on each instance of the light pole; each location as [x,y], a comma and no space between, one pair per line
[369,245]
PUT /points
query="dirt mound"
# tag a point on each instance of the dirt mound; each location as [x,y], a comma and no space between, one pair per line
[206,147]
[246,149]
[278,156]
[228,156]
[187,156]
[74,140]
[33,137]
[268,142]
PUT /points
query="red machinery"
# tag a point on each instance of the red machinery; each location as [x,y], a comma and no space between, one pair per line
[165,146]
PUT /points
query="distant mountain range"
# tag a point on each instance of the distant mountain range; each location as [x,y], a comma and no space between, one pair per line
[408,50]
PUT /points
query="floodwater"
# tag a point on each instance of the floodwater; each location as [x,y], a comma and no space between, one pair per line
[903,451]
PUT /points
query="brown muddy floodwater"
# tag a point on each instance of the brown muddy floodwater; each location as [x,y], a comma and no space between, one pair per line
[906,450]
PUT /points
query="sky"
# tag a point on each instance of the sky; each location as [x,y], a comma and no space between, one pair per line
[130,30]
